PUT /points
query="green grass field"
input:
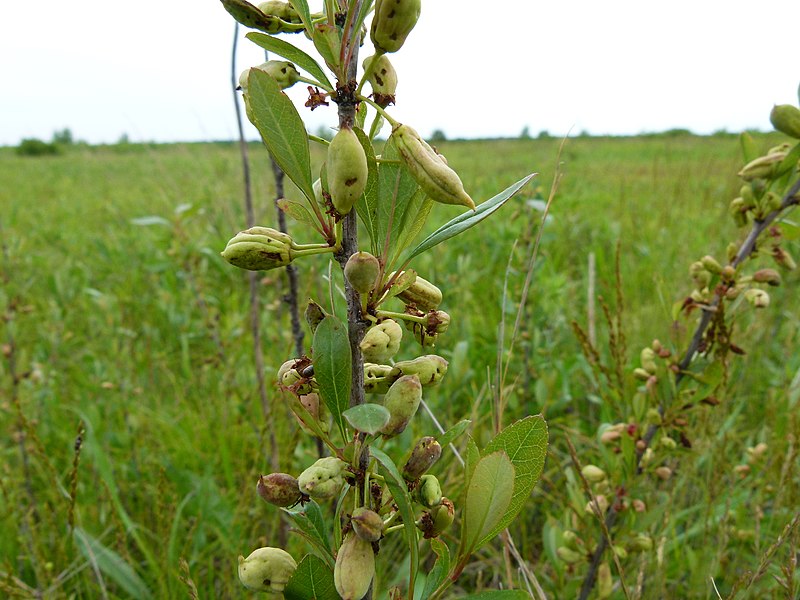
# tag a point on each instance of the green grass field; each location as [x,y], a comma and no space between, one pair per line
[120,315]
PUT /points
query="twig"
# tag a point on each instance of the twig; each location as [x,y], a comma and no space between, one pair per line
[789,200]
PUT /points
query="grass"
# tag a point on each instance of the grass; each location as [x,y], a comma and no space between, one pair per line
[121,316]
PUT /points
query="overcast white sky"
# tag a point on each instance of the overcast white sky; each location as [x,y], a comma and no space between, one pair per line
[159,69]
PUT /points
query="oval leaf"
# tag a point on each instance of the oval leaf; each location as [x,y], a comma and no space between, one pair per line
[312,580]
[525,444]
[332,366]
[369,418]
[464,221]
[281,128]
[488,497]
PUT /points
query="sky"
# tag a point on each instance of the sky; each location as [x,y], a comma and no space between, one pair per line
[159,70]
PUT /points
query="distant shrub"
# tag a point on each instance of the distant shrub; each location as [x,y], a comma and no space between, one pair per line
[63,137]
[438,136]
[36,147]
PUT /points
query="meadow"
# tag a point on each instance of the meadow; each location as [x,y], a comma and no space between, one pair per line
[133,429]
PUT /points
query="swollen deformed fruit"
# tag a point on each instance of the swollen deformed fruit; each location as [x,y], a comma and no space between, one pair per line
[362,270]
[282,71]
[786,119]
[382,78]
[763,167]
[382,341]
[428,491]
[402,401]
[354,568]
[423,456]
[757,298]
[259,249]
[422,294]
[429,368]
[279,489]
[429,170]
[266,570]
[443,516]
[347,170]
[324,479]
[393,21]
[367,524]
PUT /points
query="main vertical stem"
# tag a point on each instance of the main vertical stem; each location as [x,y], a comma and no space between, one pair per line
[356,325]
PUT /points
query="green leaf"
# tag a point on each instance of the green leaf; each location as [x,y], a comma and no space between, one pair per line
[748,146]
[396,190]
[399,491]
[440,568]
[248,15]
[468,219]
[367,205]
[449,436]
[332,366]
[301,6]
[499,595]
[310,524]
[471,458]
[312,580]
[328,42]
[525,444]
[709,379]
[281,128]
[297,211]
[369,418]
[488,497]
[417,211]
[292,53]
[111,564]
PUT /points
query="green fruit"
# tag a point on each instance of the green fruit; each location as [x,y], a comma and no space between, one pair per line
[347,170]
[422,294]
[362,270]
[282,71]
[279,489]
[382,342]
[786,119]
[428,491]
[402,401]
[324,479]
[367,524]
[393,21]
[429,368]
[382,78]
[354,568]
[259,249]
[423,456]
[266,570]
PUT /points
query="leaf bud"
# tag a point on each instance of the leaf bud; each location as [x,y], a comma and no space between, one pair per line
[663,473]
[568,555]
[314,315]
[324,479]
[763,167]
[367,524]
[402,401]
[641,543]
[648,359]
[757,298]
[593,474]
[347,170]
[429,368]
[382,78]
[442,516]
[428,169]
[362,271]
[602,502]
[279,489]
[382,341]
[423,456]
[428,491]
[393,21]
[355,568]
[786,119]
[266,570]
[571,540]
[711,265]
[259,249]
[605,582]
[768,276]
[422,294]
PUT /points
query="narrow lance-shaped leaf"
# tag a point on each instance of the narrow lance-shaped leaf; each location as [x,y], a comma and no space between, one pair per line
[281,128]
[464,221]
[291,53]
[440,568]
[396,190]
[332,367]
[111,564]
